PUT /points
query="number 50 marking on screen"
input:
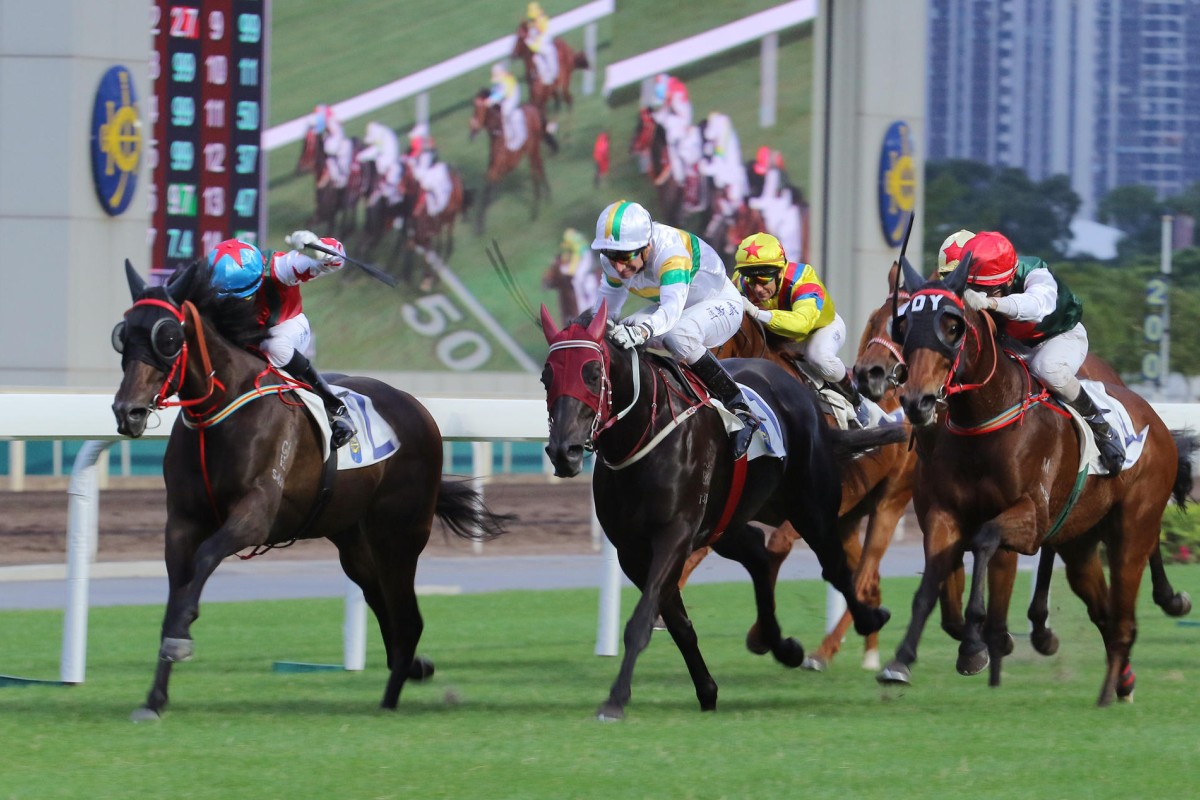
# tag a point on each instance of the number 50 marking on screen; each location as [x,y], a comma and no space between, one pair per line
[430,316]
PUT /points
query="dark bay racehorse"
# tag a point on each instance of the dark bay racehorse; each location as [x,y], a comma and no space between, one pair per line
[502,160]
[540,92]
[664,480]
[879,371]
[253,479]
[998,470]
[877,490]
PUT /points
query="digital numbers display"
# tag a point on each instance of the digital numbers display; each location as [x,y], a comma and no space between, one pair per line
[206,112]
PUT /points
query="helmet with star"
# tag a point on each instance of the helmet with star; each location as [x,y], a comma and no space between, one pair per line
[236,268]
[760,255]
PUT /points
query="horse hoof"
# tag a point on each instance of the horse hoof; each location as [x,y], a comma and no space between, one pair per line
[756,645]
[1126,684]
[173,649]
[873,622]
[1008,645]
[790,653]
[895,672]
[421,669]
[871,660]
[815,664]
[610,713]
[973,663]
[144,714]
[1044,641]
[1180,605]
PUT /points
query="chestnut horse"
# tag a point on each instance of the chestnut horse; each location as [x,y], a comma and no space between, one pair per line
[879,371]
[540,92]
[501,160]
[426,231]
[256,478]
[999,467]
[665,483]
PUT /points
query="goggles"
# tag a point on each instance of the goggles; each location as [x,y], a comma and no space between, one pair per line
[622,256]
[761,278]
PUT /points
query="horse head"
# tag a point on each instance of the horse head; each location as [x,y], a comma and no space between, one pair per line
[578,389]
[943,342]
[152,342]
[479,119]
[880,365]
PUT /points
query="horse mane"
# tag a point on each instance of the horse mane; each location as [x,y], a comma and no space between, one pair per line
[235,318]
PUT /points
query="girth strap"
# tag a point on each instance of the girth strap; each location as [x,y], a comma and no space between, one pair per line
[736,484]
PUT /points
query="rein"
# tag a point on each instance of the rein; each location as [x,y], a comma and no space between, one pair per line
[178,369]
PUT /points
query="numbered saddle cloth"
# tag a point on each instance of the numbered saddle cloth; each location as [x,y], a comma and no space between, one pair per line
[375,440]
[768,439]
[1118,418]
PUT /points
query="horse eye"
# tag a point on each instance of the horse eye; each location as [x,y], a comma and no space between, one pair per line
[118,337]
[900,373]
[547,376]
[591,373]
[166,338]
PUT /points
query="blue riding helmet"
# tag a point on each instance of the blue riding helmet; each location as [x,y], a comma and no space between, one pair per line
[237,268]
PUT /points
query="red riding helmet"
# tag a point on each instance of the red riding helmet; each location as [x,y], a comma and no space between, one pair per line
[993,259]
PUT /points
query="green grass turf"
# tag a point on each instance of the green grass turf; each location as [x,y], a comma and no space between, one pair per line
[510,712]
[357,321]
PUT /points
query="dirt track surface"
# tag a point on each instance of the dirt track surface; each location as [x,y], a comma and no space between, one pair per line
[553,517]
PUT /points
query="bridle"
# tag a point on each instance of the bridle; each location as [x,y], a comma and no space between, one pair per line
[599,402]
[163,333]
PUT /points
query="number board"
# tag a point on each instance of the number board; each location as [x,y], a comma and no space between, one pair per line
[208,72]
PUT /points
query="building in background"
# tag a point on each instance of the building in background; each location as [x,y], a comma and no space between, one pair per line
[1105,91]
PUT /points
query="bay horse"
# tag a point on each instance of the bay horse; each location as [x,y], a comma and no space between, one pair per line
[665,483]
[502,160]
[878,491]
[254,479]
[879,371]
[998,468]
[427,231]
[540,92]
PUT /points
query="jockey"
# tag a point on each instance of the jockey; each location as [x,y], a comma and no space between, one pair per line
[323,121]
[777,201]
[339,158]
[540,43]
[383,147]
[1039,311]
[672,109]
[692,304]
[505,93]
[237,269]
[950,253]
[433,176]
[790,301]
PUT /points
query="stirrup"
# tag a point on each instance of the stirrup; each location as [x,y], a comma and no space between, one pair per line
[743,436]
[341,428]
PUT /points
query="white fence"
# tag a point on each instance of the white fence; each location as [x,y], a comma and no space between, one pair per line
[417,84]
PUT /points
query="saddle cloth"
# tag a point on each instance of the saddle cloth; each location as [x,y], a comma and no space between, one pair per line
[844,413]
[768,439]
[375,440]
[1116,416]
[516,130]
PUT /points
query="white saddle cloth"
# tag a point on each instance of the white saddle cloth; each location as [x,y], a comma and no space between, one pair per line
[1118,418]
[375,440]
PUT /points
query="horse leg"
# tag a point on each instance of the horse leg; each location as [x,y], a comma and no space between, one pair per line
[684,635]
[483,204]
[1085,574]
[941,555]
[745,545]
[1129,548]
[779,545]
[950,601]
[1002,574]
[831,645]
[652,568]
[972,651]
[189,567]
[881,527]
[1043,639]
[1173,604]
[821,536]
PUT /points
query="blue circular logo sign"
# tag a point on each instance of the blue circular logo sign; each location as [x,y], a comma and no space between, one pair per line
[116,135]
[897,181]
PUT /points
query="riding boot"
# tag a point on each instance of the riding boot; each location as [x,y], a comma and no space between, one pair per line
[1112,450]
[846,388]
[723,387]
[341,428]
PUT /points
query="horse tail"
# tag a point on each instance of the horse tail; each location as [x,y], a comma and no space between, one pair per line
[460,507]
[855,442]
[1186,443]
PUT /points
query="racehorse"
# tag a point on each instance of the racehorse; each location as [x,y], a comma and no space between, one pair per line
[999,467]
[540,92]
[879,371]
[255,478]
[665,483]
[502,160]
[878,490]
[427,231]
[336,208]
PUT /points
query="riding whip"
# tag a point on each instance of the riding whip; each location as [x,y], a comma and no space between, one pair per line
[374,272]
[896,288]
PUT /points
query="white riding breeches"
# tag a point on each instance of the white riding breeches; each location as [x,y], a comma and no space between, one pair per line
[1056,360]
[707,324]
[821,351]
[286,338]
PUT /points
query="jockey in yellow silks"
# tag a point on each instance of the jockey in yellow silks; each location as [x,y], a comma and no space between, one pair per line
[541,44]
